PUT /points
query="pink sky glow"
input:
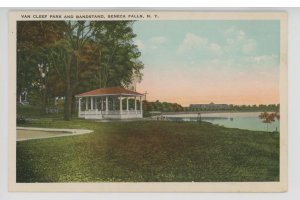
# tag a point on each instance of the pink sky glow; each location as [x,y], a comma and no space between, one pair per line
[205,86]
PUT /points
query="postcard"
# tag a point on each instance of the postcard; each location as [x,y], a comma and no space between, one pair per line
[147,101]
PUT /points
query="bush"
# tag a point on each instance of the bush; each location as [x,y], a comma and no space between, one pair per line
[21,119]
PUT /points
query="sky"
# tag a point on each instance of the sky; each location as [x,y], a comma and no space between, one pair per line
[204,61]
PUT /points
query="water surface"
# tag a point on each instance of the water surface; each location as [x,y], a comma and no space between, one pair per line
[242,120]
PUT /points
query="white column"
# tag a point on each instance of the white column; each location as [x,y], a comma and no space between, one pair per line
[121,109]
[113,103]
[106,104]
[135,104]
[86,103]
[92,103]
[141,107]
[79,107]
[102,106]
[127,105]
[96,106]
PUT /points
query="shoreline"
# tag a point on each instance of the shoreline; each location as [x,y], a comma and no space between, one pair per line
[212,111]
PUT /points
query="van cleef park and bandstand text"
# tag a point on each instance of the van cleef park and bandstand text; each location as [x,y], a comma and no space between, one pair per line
[107,16]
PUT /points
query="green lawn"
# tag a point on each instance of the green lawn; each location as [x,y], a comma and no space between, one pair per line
[148,151]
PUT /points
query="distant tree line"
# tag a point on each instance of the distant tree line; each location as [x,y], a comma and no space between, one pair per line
[175,107]
[161,106]
[231,107]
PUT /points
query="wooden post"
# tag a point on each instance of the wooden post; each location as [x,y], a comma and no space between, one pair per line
[92,103]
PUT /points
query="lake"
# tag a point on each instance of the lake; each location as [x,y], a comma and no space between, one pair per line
[241,120]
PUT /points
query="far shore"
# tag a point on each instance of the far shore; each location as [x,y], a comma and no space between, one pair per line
[211,111]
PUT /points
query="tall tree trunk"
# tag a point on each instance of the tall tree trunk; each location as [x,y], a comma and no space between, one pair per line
[68,92]
[68,103]
[44,109]
[74,105]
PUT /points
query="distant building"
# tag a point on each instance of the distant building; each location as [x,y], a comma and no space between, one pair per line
[210,106]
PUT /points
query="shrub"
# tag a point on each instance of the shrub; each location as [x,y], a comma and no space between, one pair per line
[21,119]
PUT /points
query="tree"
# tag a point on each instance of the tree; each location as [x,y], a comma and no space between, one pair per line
[33,70]
[268,118]
[117,55]
[80,56]
[113,45]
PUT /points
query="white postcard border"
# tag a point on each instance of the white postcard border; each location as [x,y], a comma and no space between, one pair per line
[280,186]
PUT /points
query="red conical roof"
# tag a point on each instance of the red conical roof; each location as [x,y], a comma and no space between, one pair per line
[109,91]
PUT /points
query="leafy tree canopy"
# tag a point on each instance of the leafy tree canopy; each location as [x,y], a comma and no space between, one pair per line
[75,56]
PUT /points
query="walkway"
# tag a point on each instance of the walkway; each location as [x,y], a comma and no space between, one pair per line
[31,133]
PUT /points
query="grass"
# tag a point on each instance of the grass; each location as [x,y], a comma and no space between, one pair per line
[148,151]
[33,111]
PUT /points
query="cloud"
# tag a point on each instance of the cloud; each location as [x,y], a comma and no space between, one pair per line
[262,60]
[234,32]
[215,48]
[152,43]
[140,44]
[234,51]
[245,64]
[249,46]
[237,40]
[157,41]
[193,42]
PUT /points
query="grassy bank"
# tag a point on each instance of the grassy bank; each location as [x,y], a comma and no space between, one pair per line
[148,151]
